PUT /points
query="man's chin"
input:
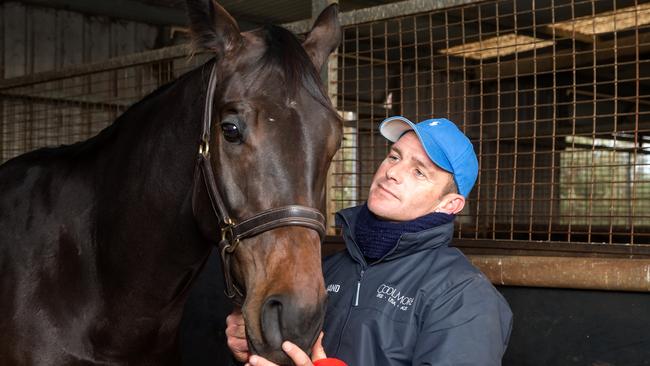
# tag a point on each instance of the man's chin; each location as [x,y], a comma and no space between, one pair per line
[382,211]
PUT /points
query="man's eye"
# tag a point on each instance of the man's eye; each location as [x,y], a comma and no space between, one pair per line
[419,173]
[392,158]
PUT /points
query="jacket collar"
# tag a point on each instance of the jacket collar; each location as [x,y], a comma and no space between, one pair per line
[408,243]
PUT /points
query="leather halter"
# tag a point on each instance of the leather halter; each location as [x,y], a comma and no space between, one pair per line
[229,232]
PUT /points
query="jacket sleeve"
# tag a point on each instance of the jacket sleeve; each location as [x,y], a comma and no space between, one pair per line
[468,324]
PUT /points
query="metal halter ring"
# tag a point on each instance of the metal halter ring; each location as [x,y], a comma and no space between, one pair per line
[228,236]
[204,148]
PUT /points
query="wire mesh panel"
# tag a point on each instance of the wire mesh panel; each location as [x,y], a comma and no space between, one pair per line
[74,108]
[554,94]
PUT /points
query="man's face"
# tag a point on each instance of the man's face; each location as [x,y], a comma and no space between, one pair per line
[407,184]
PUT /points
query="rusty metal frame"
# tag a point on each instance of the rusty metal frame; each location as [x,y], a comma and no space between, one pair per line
[527,254]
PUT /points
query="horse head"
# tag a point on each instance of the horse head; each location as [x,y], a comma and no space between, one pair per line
[273,134]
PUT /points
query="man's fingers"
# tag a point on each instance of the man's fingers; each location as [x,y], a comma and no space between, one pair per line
[298,357]
[239,348]
[235,318]
[294,352]
[237,331]
[235,324]
[236,335]
[317,351]
[260,361]
[236,339]
[237,344]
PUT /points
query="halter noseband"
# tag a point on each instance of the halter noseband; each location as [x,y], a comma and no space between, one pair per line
[231,233]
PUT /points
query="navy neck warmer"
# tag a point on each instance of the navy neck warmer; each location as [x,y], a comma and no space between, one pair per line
[377,237]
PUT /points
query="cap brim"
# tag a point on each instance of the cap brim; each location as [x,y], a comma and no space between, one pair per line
[393,128]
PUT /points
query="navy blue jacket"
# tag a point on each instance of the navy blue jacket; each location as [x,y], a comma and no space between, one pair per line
[423,303]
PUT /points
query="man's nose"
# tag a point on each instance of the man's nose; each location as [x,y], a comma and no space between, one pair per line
[394,173]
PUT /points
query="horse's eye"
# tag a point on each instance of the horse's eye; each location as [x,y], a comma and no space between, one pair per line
[231,132]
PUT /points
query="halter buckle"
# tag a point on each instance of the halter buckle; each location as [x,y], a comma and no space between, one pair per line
[228,236]
[204,147]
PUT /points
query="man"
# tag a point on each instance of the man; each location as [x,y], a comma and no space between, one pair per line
[399,295]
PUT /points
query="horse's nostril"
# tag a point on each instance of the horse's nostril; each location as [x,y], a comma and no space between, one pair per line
[285,319]
[272,322]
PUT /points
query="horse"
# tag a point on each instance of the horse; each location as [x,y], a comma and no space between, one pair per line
[100,241]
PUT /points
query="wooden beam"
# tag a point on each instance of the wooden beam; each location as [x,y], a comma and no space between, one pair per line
[563,59]
[121,9]
[614,274]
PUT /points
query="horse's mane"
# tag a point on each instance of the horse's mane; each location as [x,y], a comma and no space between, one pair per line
[285,52]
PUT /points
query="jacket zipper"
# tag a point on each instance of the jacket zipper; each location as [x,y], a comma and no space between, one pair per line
[356,296]
[354,304]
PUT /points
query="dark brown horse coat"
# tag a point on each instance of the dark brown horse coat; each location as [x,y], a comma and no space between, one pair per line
[99,243]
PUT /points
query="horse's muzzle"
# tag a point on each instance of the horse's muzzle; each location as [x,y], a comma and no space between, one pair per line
[283,319]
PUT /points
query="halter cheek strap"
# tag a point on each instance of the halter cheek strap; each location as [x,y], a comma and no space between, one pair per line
[228,233]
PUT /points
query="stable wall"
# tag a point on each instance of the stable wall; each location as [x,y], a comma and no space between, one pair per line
[35,39]
[562,327]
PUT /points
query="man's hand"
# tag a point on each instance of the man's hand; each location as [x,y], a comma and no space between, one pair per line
[317,351]
[236,334]
[294,352]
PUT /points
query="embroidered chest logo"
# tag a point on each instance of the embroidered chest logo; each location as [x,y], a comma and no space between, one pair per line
[334,287]
[394,297]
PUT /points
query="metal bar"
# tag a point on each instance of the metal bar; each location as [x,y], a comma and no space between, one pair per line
[515,158]
[384,12]
[65,101]
[637,86]
[96,67]
[593,129]
[495,197]
[537,248]
[603,96]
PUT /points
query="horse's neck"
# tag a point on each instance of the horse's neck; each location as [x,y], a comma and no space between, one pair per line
[146,231]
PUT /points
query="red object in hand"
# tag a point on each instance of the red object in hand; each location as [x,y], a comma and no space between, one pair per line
[329,362]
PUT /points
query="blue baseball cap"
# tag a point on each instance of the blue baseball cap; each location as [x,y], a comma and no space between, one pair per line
[445,144]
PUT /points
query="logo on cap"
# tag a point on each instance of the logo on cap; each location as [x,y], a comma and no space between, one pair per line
[434,123]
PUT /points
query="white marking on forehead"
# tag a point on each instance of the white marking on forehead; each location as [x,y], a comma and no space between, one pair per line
[271,119]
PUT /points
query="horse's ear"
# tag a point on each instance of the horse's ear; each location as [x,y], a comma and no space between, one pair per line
[212,27]
[324,37]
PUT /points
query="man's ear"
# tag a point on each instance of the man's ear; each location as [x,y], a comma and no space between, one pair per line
[451,204]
